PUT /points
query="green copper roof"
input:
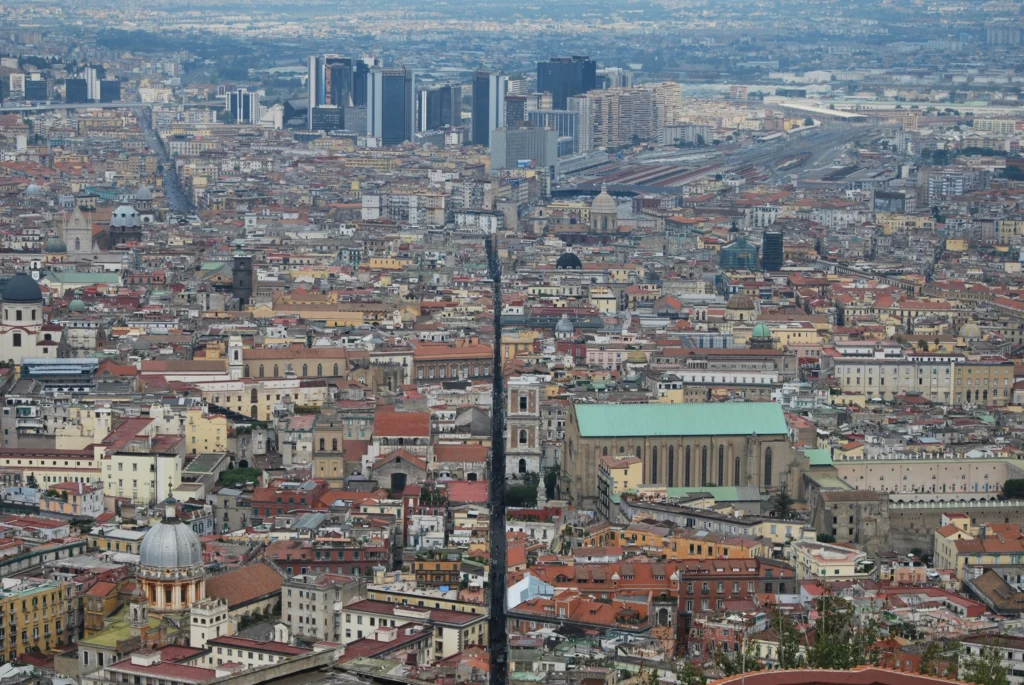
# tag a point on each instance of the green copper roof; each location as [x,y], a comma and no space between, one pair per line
[656,420]
[819,457]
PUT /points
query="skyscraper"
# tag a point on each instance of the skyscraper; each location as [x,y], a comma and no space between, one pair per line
[564,77]
[339,73]
[772,251]
[76,90]
[515,109]
[489,90]
[243,106]
[440,106]
[313,87]
[390,104]
[359,82]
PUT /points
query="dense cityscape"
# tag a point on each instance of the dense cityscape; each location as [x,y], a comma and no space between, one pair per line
[430,343]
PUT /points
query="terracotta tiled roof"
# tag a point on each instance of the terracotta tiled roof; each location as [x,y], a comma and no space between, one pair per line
[244,585]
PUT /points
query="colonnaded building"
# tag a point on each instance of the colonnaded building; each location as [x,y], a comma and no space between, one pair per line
[679,445]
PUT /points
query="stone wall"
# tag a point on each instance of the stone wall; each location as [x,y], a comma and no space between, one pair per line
[913,524]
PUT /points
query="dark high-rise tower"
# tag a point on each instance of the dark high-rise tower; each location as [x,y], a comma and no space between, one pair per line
[489,89]
[339,73]
[390,105]
[515,110]
[564,77]
[359,82]
[772,251]
[440,107]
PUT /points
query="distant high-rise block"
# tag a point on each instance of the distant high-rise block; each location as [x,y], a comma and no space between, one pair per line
[440,107]
[391,105]
[513,148]
[313,88]
[564,77]
[110,90]
[489,91]
[339,75]
[515,110]
[772,251]
[76,90]
[243,106]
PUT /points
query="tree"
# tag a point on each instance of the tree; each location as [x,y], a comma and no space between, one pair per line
[32,482]
[808,122]
[985,669]
[1013,489]
[782,502]
[788,652]
[551,477]
[735,663]
[931,653]
[689,674]
[841,644]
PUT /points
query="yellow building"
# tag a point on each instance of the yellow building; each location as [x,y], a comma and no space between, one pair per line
[517,343]
[986,381]
[661,541]
[956,245]
[205,433]
[960,545]
[35,617]
[615,476]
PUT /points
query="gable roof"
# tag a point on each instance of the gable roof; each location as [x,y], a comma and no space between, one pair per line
[735,418]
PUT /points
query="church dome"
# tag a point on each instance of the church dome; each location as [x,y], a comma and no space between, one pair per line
[568,261]
[22,289]
[76,306]
[171,544]
[34,190]
[143,194]
[124,216]
[54,245]
[739,301]
[603,203]
[564,325]
[970,331]
[761,331]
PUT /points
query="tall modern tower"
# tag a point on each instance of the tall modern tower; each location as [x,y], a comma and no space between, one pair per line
[338,78]
[489,90]
[772,251]
[564,77]
[359,84]
[440,107]
[390,104]
[313,82]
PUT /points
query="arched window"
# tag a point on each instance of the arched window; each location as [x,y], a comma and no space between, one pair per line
[237,357]
[322,448]
[686,468]
[305,370]
[261,370]
[275,370]
[604,451]
[721,464]
[334,444]
[78,244]
[703,465]
[654,464]
[253,411]
[768,466]
[671,466]
[622,449]
[522,436]
[335,369]
[522,466]
[245,372]
[736,470]
[253,396]
[639,453]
